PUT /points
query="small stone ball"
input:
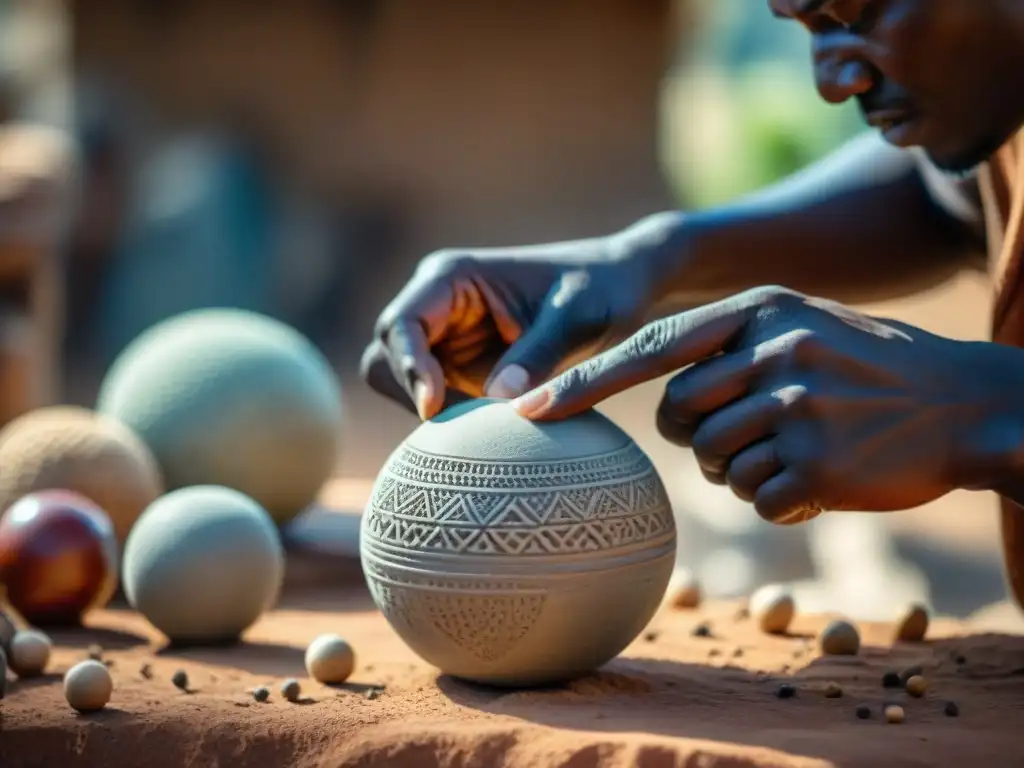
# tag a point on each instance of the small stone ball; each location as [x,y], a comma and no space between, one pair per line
[329,659]
[833,691]
[891,679]
[701,630]
[684,590]
[88,686]
[261,694]
[80,451]
[916,686]
[894,714]
[863,712]
[7,630]
[30,653]
[202,564]
[951,709]
[785,691]
[839,638]
[773,608]
[291,690]
[180,679]
[912,623]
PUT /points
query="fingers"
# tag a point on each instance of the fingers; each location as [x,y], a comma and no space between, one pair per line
[658,348]
[751,468]
[562,326]
[415,367]
[728,431]
[375,369]
[784,500]
[700,390]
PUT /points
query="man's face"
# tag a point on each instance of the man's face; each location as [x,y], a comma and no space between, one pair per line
[945,75]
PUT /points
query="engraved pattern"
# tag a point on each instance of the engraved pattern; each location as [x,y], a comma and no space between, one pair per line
[434,505]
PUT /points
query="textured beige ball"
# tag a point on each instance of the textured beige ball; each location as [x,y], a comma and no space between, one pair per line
[88,686]
[78,450]
[30,653]
[329,659]
[773,608]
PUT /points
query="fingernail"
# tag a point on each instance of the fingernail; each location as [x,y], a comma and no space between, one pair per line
[424,396]
[532,404]
[510,382]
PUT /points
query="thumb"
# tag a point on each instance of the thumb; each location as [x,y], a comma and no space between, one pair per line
[562,326]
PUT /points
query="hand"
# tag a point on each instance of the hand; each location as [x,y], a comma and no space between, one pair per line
[499,321]
[802,405]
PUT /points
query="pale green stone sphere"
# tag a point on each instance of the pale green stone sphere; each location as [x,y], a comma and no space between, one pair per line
[230,397]
[202,564]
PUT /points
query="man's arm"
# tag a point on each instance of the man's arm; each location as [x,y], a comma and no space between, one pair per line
[869,222]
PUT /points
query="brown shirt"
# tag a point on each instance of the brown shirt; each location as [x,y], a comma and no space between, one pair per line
[1002,190]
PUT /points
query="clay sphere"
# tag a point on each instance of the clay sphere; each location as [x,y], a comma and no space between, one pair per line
[30,653]
[772,607]
[329,659]
[81,451]
[229,397]
[912,623]
[517,553]
[684,590]
[58,557]
[839,638]
[202,564]
[88,686]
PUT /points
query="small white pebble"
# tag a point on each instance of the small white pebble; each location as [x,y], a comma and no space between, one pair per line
[30,653]
[773,608]
[894,714]
[88,686]
[839,638]
[329,659]
[912,623]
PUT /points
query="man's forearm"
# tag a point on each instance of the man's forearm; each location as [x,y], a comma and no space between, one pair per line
[861,225]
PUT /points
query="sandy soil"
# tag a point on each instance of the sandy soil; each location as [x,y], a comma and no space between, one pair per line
[671,699]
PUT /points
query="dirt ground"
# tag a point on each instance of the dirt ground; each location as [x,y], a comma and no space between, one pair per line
[671,699]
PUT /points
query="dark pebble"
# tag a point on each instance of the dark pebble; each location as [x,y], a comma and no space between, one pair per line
[961,660]
[372,694]
[261,694]
[650,637]
[180,680]
[714,652]
[737,653]
[910,672]
[951,709]
[146,671]
[786,691]
[863,712]
[701,630]
[891,680]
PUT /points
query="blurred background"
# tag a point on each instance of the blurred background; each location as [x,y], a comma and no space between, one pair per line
[298,157]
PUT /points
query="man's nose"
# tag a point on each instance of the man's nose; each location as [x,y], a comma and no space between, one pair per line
[841,78]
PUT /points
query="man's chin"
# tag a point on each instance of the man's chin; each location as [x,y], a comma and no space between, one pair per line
[961,161]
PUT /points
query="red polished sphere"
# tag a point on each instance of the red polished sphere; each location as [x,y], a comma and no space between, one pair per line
[58,557]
